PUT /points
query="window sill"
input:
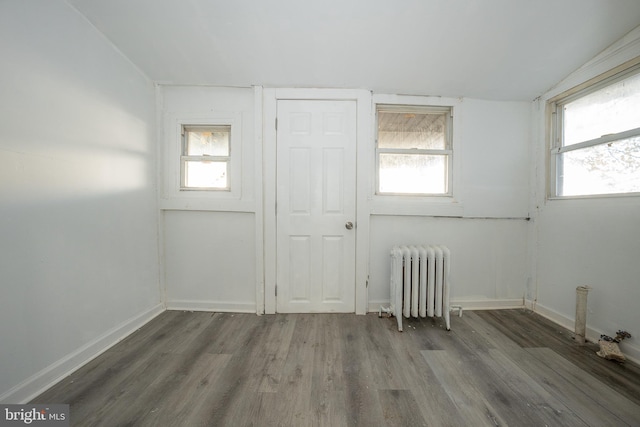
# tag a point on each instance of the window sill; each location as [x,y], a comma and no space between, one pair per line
[199,204]
[616,196]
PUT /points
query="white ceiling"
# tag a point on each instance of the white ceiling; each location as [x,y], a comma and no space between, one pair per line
[490,49]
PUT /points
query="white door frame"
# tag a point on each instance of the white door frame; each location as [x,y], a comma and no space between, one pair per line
[364,157]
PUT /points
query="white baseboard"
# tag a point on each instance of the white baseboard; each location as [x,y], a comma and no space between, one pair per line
[481,304]
[41,381]
[374,306]
[488,304]
[225,307]
[631,352]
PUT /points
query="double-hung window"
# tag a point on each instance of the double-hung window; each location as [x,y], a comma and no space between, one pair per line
[205,157]
[413,150]
[595,139]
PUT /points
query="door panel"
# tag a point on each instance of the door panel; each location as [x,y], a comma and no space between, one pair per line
[316,181]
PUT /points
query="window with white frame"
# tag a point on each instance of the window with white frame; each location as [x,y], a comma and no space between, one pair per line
[413,150]
[595,143]
[205,157]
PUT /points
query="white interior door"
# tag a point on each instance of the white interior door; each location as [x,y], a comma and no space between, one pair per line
[316,206]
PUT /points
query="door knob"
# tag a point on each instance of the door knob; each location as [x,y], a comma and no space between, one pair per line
[348,225]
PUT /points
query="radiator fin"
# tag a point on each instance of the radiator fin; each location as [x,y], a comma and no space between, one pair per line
[420,282]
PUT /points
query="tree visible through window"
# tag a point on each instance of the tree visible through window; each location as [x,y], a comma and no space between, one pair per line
[596,147]
[413,150]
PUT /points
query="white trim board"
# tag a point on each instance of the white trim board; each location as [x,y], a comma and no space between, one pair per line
[259,213]
[213,306]
[481,304]
[363,155]
[52,374]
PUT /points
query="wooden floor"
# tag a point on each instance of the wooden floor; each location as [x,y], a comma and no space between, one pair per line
[493,368]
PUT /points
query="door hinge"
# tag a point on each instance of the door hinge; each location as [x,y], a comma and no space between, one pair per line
[276,124]
[276,290]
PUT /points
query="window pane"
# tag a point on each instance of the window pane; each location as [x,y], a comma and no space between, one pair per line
[603,169]
[213,141]
[412,130]
[413,173]
[198,174]
[612,109]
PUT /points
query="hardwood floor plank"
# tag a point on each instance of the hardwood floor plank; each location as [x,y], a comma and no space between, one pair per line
[188,398]
[104,382]
[160,330]
[117,402]
[399,408]
[536,331]
[433,330]
[254,344]
[435,404]
[234,397]
[484,331]
[328,364]
[224,369]
[362,405]
[578,402]
[382,347]
[474,408]
[541,407]
[193,326]
[169,373]
[493,347]
[297,373]
[470,356]
[578,382]
[236,331]
[537,366]
[275,352]
[328,398]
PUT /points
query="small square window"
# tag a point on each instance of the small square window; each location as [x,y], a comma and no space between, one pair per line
[413,150]
[206,153]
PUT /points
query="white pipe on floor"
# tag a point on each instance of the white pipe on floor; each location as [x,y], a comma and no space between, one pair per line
[581,313]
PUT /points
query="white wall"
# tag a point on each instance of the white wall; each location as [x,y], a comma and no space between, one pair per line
[209,237]
[594,243]
[495,159]
[210,260]
[488,257]
[488,241]
[78,230]
[210,242]
[591,241]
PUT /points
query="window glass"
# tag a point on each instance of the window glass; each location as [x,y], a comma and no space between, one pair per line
[596,144]
[207,142]
[205,174]
[602,169]
[612,109]
[413,150]
[206,157]
[413,174]
[411,130]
